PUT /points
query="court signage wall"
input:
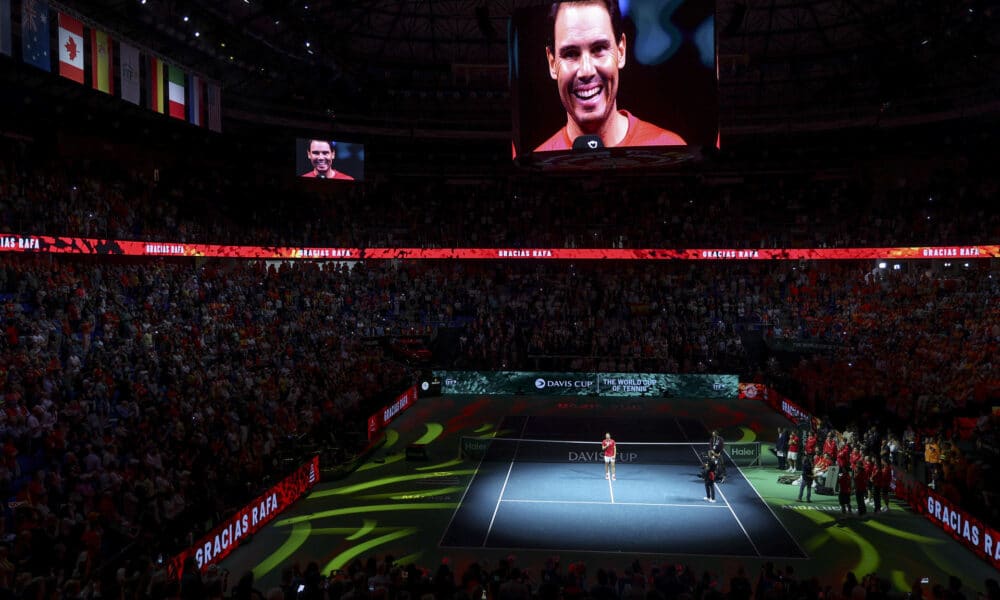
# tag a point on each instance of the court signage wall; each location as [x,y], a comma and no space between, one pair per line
[378,421]
[744,453]
[228,535]
[970,531]
[543,383]
[791,411]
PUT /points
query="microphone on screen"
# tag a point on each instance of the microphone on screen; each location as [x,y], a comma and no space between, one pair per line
[587,143]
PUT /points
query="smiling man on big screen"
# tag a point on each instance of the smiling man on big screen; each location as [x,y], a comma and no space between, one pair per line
[586,54]
[321,154]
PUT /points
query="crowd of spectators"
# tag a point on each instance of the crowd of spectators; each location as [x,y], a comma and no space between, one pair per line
[105,200]
[384,579]
[143,400]
[921,345]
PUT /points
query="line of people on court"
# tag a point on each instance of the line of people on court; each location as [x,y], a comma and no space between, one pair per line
[838,466]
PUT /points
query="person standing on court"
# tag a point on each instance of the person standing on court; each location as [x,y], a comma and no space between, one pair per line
[885,483]
[781,448]
[710,467]
[807,477]
[793,450]
[861,488]
[610,453]
[717,446]
[844,490]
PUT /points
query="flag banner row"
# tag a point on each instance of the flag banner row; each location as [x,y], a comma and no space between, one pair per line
[112,66]
[6,35]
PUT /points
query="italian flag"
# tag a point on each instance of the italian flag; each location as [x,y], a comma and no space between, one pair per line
[176,92]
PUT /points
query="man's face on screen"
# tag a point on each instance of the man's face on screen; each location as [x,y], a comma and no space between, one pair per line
[321,156]
[584,61]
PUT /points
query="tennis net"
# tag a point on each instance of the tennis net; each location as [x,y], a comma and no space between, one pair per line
[562,451]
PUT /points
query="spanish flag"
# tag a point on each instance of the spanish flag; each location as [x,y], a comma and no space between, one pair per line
[102,78]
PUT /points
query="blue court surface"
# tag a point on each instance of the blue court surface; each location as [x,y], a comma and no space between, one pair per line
[538,490]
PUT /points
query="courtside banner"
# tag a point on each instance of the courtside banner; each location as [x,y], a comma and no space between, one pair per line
[972,533]
[228,535]
[543,383]
[379,420]
[951,252]
[790,410]
[76,245]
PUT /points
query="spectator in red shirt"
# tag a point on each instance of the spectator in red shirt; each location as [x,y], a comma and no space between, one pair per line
[811,442]
[830,444]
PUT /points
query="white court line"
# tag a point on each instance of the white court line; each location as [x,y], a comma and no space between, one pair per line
[617,443]
[681,429]
[615,503]
[733,512]
[768,506]
[612,489]
[513,459]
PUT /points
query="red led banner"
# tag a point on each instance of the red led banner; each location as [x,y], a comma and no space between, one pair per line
[228,535]
[790,410]
[92,246]
[972,533]
[381,419]
[956,252]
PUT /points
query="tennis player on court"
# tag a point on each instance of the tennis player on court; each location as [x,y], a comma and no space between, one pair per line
[610,453]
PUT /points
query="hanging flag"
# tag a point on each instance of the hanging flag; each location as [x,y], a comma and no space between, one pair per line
[70,48]
[129,57]
[175,89]
[5,33]
[35,33]
[100,62]
[155,81]
[214,102]
[196,90]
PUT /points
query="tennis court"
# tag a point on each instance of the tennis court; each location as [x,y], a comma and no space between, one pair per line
[542,487]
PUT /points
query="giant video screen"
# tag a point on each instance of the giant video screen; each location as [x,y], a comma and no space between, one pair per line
[323,158]
[603,74]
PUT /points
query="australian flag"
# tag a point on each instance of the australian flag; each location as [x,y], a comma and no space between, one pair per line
[35,40]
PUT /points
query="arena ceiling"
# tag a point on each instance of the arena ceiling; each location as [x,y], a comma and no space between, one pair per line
[783,64]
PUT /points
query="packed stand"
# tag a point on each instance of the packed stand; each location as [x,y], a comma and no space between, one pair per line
[142,401]
[919,343]
[209,205]
[385,579]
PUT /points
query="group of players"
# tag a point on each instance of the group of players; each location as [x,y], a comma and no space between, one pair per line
[713,468]
[838,464]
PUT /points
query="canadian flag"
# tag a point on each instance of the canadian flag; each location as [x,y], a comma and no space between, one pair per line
[70,48]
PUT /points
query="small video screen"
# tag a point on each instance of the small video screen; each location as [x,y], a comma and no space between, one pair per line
[323,158]
[598,75]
